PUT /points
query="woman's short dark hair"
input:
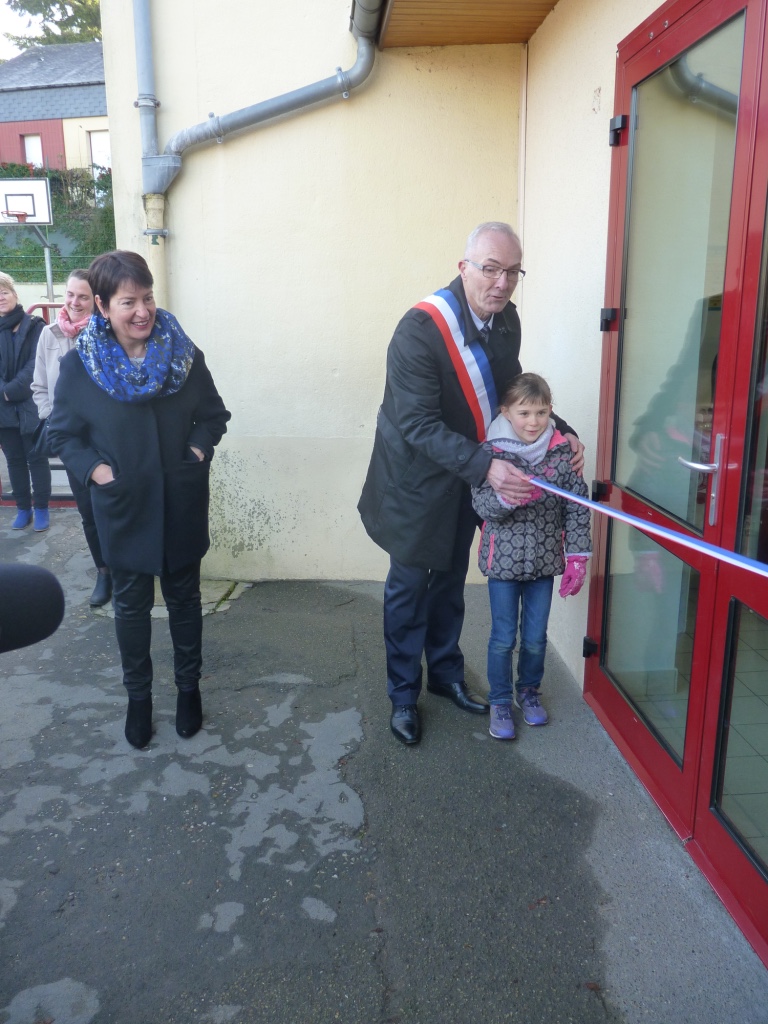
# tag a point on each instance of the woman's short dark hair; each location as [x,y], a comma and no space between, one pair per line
[111,269]
[79,275]
[528,388]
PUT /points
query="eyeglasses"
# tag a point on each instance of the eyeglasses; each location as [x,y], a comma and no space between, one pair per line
[494,273]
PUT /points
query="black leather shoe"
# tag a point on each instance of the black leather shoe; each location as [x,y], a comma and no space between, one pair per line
[405,723]
[458,693]
[102,592]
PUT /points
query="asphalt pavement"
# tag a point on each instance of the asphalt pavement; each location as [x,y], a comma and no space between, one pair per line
[294,864]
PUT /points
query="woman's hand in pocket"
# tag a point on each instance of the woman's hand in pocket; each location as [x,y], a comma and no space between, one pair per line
[102,474]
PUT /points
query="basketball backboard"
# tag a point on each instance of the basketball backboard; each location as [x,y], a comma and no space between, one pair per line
[30,196]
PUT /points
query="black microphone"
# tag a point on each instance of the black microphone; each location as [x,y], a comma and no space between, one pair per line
[31,605]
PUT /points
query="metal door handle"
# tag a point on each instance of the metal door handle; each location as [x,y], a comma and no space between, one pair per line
[709,467]
[698,467]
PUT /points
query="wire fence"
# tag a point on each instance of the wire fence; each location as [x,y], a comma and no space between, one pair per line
[31,269]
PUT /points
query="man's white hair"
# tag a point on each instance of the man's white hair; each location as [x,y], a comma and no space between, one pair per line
[486,228]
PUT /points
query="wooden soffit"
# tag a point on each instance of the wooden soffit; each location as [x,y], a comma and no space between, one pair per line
[460,22]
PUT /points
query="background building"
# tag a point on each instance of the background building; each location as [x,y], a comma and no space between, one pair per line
[53,107]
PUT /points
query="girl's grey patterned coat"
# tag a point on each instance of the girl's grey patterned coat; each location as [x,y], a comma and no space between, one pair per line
[526,542]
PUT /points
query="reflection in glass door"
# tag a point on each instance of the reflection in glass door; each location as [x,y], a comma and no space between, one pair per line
[682,154]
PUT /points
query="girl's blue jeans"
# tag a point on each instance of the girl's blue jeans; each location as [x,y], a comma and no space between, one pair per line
[514,602]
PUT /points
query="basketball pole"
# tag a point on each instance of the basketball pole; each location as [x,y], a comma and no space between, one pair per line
[47,257]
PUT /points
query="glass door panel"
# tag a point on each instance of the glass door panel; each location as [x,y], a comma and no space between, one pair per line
[649,632]
[681,159]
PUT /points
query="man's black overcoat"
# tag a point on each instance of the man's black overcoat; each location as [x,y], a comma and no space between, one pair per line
[426,452]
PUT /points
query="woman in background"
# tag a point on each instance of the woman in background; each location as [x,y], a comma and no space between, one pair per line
[136,418]
[55,341]
[19,333]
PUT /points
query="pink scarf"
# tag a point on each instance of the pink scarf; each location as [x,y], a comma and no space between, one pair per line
[71,330]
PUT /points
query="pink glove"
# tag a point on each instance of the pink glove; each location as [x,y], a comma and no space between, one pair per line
[574,575]
[649,573]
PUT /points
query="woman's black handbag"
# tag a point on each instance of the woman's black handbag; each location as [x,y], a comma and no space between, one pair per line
[40,439]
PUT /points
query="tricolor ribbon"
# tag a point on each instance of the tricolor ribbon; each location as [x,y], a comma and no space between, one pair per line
[693,543]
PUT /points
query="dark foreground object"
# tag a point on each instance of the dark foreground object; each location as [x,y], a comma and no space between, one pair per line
[31,605]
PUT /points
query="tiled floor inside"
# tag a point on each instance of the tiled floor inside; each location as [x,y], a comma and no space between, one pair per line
[745,787]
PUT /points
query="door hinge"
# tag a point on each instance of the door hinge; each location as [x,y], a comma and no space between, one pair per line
[599,490]
[589,647]
[615,128]
[607,316]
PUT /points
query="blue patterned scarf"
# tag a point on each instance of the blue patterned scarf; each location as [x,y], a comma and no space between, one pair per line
[163,372]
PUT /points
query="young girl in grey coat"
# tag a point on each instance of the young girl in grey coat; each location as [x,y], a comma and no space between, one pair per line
[524,547]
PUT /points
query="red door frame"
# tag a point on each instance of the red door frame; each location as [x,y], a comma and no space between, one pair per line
[684,795]
[739,883]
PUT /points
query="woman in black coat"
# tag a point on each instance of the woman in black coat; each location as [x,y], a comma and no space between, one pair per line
[18,414]
[136,416]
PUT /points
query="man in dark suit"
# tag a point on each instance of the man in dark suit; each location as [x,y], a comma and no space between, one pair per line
[450,358]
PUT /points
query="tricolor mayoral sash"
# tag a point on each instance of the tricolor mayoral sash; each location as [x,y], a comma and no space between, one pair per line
[469,361]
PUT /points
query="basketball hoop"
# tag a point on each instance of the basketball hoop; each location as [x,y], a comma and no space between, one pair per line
[19,215]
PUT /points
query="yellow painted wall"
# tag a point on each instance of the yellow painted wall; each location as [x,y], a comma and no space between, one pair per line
[76,148]
[295,248]
[570,92]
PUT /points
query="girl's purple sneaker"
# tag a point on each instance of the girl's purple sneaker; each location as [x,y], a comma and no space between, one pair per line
[534,712]
[502,726]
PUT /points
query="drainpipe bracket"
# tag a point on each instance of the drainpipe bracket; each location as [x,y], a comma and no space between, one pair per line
[216,128]
[155,234]
[343,79]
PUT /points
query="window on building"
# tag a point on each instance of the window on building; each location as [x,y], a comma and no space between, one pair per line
[33,149]
[101,155]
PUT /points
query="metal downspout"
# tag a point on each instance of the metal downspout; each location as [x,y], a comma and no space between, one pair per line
[522,159]
[153,199]
[341,84]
